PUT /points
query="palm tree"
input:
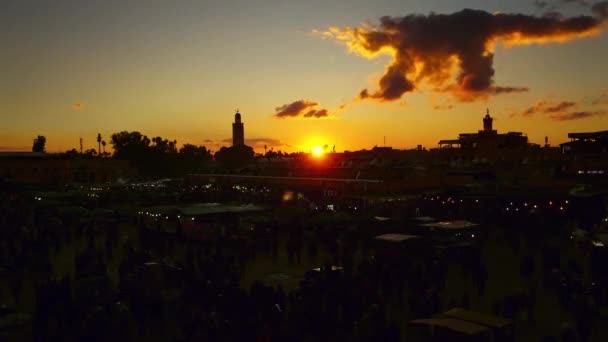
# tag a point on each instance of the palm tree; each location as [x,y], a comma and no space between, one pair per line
[103,143]
[98,143]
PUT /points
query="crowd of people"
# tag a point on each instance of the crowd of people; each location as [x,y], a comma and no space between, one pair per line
[113,278]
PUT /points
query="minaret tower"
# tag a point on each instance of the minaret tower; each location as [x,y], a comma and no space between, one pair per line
[487,122]
[238,132]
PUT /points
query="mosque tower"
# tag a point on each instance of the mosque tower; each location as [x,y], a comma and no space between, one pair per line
[487,122]
[238,132]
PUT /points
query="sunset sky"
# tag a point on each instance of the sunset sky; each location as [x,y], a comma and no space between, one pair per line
[179,69]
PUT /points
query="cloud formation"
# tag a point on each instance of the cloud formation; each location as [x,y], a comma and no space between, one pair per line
[561,110]
[602,99]
[542,4]
[452,52]
[545,107]
[443,107]
[600,9]
[300,108]
[77,105]
[575,115]
[259,141]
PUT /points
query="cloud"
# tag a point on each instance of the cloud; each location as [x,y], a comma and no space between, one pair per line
[253,141]
[77,105]
[507,90]
[600,100]
[545,107]
[555,3]
[559,107]
[443,107]
[600,9]
[300,108]
[260,142]
[452,52]
[566,110]
[575,115]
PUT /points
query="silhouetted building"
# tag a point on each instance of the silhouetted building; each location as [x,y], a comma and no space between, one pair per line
[586,143]
[587,153]
[238,132]
[39,167]
[488,138]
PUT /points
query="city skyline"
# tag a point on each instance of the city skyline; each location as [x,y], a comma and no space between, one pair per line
[177,71]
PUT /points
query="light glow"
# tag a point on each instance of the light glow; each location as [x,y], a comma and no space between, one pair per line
[317,151]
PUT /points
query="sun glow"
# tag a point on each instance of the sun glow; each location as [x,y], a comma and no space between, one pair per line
[317,151]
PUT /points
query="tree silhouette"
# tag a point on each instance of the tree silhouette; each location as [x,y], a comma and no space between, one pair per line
[99,143]
[39,144]
[235,156]
[130,145]
[103,143]
[159,156]
[193,158]
[90,152]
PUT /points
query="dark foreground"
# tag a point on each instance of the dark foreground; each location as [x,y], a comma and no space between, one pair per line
[119,276]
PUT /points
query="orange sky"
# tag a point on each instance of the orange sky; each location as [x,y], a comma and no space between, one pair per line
[181,71]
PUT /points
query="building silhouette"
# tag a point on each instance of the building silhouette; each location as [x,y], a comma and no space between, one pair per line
[488,139]
[238,131]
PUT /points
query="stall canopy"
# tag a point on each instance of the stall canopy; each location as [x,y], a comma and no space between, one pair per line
[456,325]
[486,320]
[451,225]
[203,209]
[395,237]
[425,219]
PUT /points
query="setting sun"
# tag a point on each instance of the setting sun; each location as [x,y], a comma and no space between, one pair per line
[317,151]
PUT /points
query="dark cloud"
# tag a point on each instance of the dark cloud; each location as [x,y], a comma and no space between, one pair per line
[443,107]
[452,52]
[559,107]
[313,113]
[260,142]
[575,115]
[254,141]
[544,107]
[564,110]
[580,2]
[541,4]
[600,100]
[600,9]
[507,90]
[300,108]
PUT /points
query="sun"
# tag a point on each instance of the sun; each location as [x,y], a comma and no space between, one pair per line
[317,151]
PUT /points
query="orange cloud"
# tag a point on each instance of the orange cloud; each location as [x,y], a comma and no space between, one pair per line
[443,107]
[575,115]
[77,105]
[452,52]
[548,108]
[563,110]
[300,108]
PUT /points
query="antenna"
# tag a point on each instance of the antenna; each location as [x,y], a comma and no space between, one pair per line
[80,145]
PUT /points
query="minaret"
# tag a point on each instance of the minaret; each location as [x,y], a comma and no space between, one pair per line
[238,132]
[487,122]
